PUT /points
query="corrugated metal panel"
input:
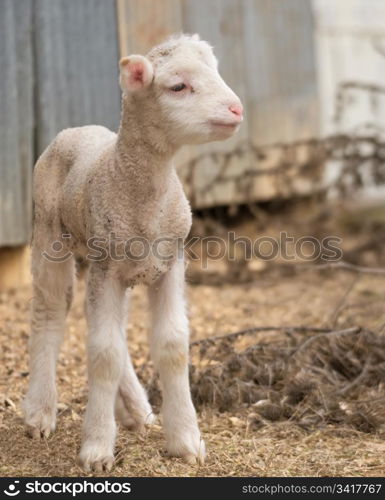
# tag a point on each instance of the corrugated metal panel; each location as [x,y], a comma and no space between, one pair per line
[76,49]
[16,111]
[266,54]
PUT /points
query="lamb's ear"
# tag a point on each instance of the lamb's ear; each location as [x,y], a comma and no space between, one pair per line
[136,73]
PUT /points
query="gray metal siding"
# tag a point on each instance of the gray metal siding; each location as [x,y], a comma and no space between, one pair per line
[59,68]
[16,112]
[76,51]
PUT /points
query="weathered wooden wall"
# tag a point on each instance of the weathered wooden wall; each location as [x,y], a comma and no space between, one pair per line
[16,112]
[59,63]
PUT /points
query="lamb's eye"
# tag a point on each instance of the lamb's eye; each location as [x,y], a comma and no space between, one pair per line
[178,88]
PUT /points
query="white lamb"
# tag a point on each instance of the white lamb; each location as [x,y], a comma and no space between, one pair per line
[91,182]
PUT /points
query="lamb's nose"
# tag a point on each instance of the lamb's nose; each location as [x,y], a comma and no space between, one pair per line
[236,109]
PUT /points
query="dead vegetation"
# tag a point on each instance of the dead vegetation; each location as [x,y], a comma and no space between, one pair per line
[257,418]
[309,378]
[288,367]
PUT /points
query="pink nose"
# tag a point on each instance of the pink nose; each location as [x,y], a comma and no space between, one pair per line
[236,109]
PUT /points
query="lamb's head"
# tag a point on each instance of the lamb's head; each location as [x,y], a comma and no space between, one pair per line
[178,85]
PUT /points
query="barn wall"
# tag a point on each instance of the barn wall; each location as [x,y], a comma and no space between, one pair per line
[16,111]
[266,54]
[59,63]
[61,60]
[76,62]
[350,43]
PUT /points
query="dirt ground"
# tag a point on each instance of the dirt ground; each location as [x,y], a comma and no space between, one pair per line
[235,448]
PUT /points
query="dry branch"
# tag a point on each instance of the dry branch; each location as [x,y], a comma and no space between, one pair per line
[347,266]
[259,329]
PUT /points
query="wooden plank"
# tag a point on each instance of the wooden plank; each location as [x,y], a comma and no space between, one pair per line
[16,111]
[15,264]
[76,64]
[145,23]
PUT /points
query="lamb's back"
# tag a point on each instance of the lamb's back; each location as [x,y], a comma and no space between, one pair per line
[67,160]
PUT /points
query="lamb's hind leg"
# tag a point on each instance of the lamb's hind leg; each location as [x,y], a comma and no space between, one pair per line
[52,293]
[132,408]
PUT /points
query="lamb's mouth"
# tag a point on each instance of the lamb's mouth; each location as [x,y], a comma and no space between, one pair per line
[225,125]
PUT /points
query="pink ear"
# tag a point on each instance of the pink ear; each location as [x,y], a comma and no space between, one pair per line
[136,73]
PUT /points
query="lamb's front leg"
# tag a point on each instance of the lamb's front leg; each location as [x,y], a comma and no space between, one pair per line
[106,357]
[169,340]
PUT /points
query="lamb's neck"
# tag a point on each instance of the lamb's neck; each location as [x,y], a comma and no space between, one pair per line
[143,150]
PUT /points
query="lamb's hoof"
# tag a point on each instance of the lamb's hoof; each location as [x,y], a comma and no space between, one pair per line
[37,433]
[93,459]
[40,423]
[135,421]
[140,424]
[192,451]
[193,460]
[133,426]
[104,464]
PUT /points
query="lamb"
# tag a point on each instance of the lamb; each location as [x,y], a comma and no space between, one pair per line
[91,182]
